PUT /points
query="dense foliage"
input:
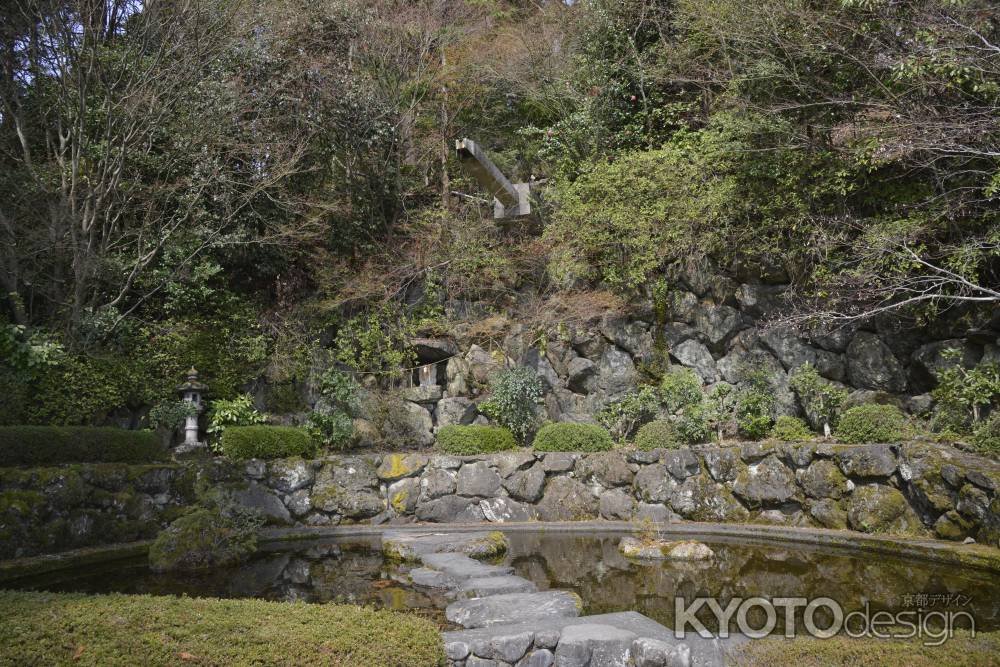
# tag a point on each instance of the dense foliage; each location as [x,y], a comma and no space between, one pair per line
[251,187]
[656,435]
[512,402]
[51,445]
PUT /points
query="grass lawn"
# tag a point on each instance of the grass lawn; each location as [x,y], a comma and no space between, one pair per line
[960,651]
[56,629]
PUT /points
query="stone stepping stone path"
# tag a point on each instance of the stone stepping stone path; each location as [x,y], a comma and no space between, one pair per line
[509,623]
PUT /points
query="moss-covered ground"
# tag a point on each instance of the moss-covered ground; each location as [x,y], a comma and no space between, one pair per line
[962,650]
[61,629]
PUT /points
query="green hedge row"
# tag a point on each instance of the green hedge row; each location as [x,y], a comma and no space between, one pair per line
[567,437]
[475,439]
[267,442]
[49,445]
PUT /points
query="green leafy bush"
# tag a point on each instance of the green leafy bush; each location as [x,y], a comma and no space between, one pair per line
[266,442]
[566,437]
[659,434]
[237,411]
[820,399]
[754,402]
[962,393]
[680,388]
[790,429]
[695,424]
[634,409]
[513,395]
[331,423]
[986,437]
[171,414]
[475,439]
[48,445]
[871,422]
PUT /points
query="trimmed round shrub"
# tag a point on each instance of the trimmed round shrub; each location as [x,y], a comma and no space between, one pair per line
[266,442]
[474,439]
[986,437]
[871,422]
[567,437]
[659,434]
[790,429]
[48,445]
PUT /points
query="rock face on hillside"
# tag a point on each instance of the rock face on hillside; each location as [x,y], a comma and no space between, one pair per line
[709,322]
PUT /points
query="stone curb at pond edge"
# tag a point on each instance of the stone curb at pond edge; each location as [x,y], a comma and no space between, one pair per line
[975,556]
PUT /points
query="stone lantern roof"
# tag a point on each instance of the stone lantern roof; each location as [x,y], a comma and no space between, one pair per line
[191,383]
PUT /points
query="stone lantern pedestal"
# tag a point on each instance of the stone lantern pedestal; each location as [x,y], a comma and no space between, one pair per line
[191,390]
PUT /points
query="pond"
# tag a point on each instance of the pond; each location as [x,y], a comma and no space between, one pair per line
[353,570]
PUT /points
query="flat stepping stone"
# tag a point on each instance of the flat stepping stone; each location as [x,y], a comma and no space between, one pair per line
[513,608]
[424,576]
[484,586]
[702,652]
[410,545]
[461,567]
[595,644]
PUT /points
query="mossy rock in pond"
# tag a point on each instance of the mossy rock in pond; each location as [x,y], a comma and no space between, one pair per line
[202,539]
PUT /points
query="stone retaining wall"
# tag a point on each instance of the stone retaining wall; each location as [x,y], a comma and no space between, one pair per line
[46,510]
[916,488]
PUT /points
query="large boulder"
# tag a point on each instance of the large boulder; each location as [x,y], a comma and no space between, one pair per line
[258,498]
[876,508]
[699,499]
[398,466]
[482,365]
[437,482]
[872,365]
[429,350]
[526,485]
[632,336]
[457,374]
[478,479]
[348,487]
[566,499]
[789,348]
[867,461]
[617,505]
[448,509]
[456,410]
[717,323]
[408,424]
[822,479]
[608,469]
[694,355]
[654,484]
[616,374]
[766,482]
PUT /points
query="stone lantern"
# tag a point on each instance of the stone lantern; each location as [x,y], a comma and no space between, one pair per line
[191,391]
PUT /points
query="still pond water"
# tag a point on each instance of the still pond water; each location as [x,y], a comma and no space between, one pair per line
[353,570]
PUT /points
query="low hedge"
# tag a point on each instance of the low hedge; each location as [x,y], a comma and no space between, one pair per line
[467,440]
[77,629]
[267,442]
[568,437]
[871,422]
[49,445]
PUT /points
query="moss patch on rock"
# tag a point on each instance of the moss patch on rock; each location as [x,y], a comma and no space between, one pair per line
[203,539]
[60,629]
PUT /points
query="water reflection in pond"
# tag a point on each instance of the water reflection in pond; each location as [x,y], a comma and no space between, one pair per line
[354,571]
